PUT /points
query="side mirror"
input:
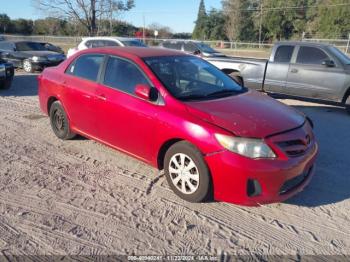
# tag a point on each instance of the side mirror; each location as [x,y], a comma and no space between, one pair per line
[328,63]
[146,92]
[197,52]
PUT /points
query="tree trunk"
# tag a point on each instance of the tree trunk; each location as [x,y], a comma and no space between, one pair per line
[93,27]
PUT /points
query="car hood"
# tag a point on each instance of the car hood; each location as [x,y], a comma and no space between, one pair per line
[250,114]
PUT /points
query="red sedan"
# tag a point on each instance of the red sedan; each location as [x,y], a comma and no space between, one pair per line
[179,113]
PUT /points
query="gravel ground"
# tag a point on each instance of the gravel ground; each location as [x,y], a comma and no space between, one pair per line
[82,198]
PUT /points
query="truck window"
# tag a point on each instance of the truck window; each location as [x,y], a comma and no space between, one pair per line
[284,54]
[189,47]
[311,55]
[173,45]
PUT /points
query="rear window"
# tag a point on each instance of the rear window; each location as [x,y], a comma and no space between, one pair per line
[284,54]
[100,43]
[86,66]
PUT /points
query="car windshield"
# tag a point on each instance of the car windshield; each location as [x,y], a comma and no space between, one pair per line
[30,46]
[191,78]
[205,48]
[341,56]
[133,43]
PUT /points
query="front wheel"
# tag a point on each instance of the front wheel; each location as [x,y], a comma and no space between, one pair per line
[59,122]
[28,66]
[187,173]
[347,104]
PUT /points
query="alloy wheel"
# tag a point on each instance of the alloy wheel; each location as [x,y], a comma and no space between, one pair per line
[184,173]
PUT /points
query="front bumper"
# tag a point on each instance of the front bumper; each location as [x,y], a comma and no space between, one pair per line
[278,179]
[6,75]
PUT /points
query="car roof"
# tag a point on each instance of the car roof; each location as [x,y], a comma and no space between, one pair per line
[136,51]
[304,43]
[108,38]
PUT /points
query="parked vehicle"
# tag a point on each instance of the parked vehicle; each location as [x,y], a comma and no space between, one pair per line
[191,47]
[51,47]
[180,113]
[30,56]
[301,69]
[6,74]
[95,42]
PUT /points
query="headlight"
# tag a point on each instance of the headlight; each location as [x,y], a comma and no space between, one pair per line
[38,59]
[252,148]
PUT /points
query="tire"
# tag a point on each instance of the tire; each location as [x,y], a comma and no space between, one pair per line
[347,104]
[237,78]
[59,122]
[193,185]
[28,66]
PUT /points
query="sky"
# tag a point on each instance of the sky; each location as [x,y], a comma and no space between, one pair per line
[179,15]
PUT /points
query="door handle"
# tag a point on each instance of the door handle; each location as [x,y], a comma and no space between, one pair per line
[294,70]
[101,97]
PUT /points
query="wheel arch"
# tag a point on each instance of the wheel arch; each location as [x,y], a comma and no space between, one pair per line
[347,93]
[163,149]
[50,101]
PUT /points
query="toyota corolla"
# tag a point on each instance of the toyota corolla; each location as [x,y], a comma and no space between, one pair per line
[214,138]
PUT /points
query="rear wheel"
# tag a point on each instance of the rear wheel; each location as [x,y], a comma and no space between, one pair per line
[28,66]
[237,78]
[187,173]
[59,122]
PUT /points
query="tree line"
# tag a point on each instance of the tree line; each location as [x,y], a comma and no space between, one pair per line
[270,20]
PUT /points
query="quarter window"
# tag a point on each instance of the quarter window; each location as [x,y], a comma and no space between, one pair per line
[311,55]
[284,54]
[123,75]
[86,66]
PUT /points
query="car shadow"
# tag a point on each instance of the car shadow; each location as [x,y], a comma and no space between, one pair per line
[331,181]
[22,85]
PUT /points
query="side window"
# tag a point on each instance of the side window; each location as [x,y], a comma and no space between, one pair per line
[190,47]
[311,55]
[123,75]
[173,45]
[109,43]
[6,46]
[284,54]
[86,66]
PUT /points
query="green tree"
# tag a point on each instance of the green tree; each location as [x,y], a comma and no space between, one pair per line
[22,26]
[239,19]
[200,28]
[5,23]
[215,25]
[331,21]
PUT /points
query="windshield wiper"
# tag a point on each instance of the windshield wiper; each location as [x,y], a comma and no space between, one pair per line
[223,92]
[191,97]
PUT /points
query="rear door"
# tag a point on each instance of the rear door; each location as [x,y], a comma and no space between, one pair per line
[80,86]
[277,69]
[307,76]
[124,120]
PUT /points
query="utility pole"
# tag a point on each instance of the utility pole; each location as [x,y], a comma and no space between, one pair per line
[144,28]
[260,24]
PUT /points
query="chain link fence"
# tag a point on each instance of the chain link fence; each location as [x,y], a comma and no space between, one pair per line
[261,50]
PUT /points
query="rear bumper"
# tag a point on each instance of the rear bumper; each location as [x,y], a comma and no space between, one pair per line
[278,179]
[6,75]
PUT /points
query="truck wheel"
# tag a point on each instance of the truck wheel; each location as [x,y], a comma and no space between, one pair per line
[187,173]
[237,78]
[59,122]
[27,66]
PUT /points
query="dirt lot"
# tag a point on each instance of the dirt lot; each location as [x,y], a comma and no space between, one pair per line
[80,197]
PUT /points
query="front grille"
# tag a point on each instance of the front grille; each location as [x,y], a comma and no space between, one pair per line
[295,143]
[294,148]
[294,182]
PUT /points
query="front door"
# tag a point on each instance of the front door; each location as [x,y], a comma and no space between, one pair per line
[307,76]
[125,121]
